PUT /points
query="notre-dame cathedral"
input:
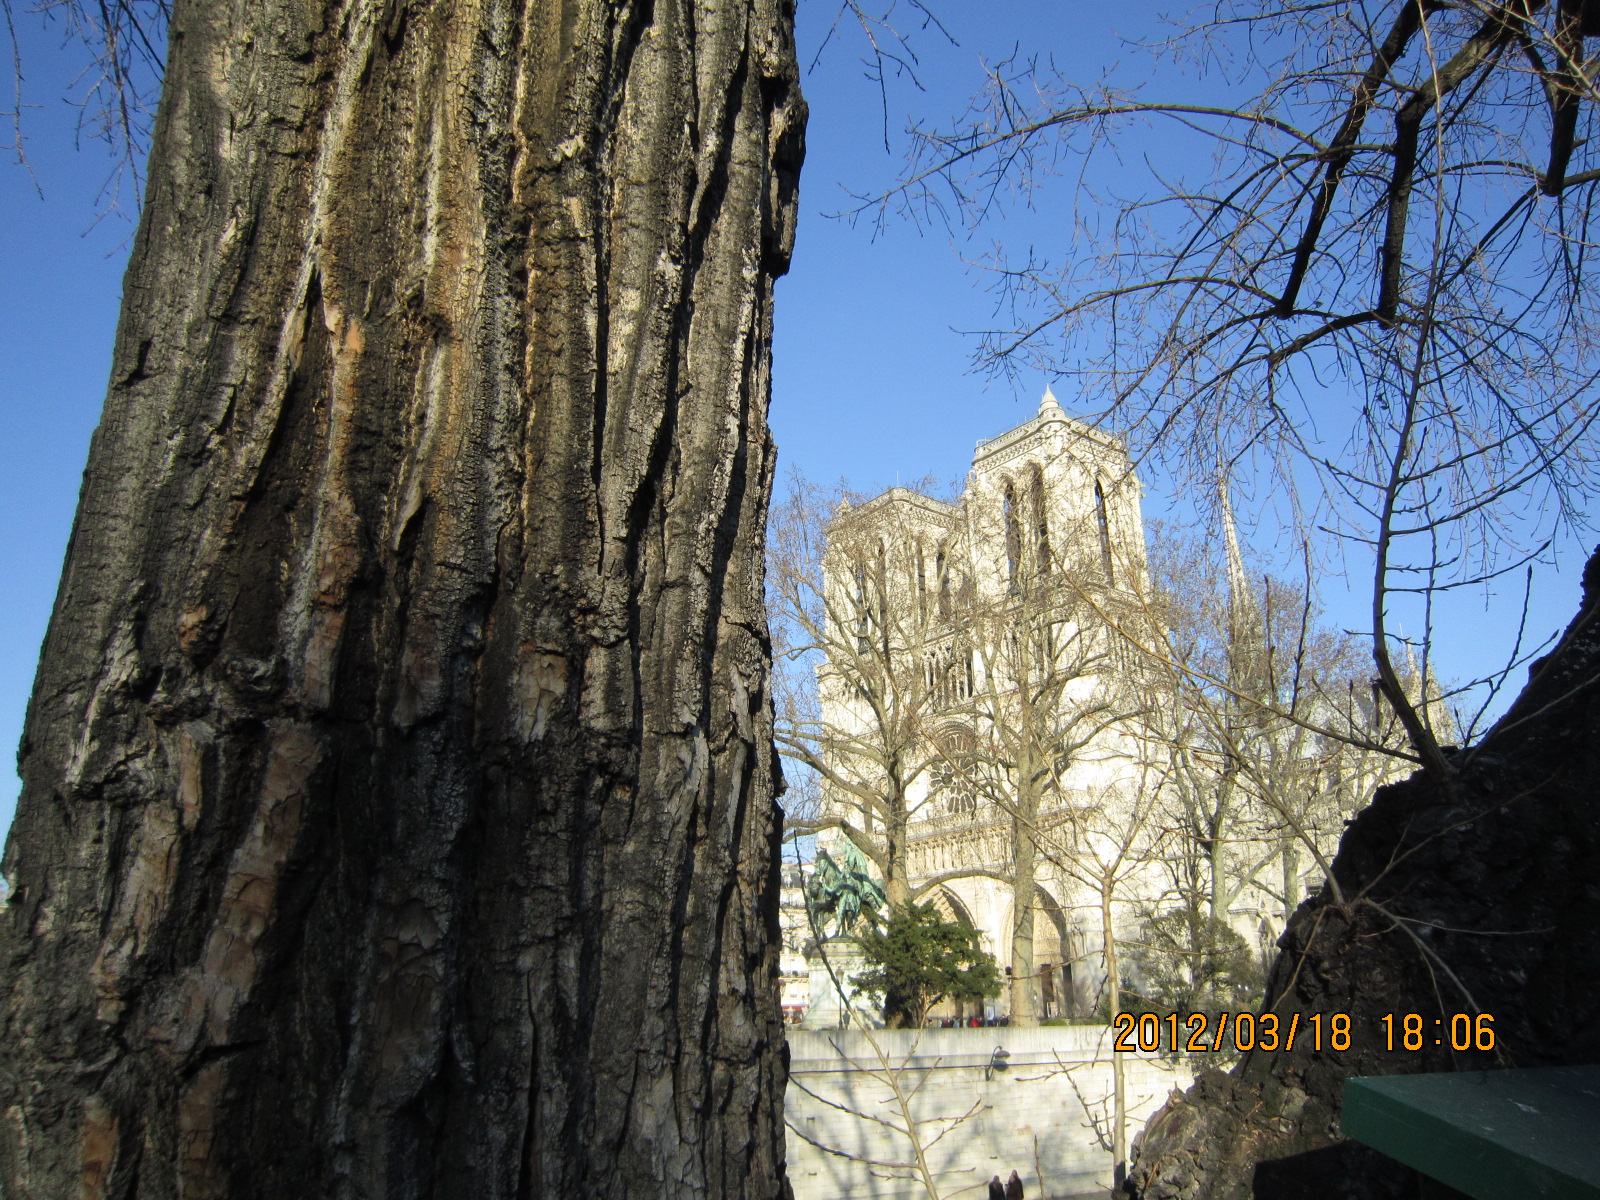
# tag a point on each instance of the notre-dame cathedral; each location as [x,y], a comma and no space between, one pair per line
[995,729]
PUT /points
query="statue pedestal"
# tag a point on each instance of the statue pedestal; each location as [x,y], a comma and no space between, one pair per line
[845,959]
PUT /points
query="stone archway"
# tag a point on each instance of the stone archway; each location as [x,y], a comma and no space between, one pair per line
[1055,951]
[951,908]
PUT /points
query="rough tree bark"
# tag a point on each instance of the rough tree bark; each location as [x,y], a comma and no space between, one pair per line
[1476,896]
[398,795]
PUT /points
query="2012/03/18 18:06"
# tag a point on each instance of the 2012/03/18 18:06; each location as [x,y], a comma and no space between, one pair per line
[1270,1031]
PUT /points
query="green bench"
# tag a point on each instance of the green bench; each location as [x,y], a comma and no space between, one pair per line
[1491,1135]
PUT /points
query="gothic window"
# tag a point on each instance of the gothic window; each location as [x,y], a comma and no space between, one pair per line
[1104,526]
[881,584]
[950,785]
[937,675]
[941,571]
[862,623]
[1041,521]
[948,673]
[1008,503]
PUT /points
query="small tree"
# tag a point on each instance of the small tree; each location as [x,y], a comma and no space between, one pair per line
[1189,961]
[919,959]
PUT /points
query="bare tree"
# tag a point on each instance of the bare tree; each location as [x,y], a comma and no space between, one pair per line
[122,50]
[1046,710]
[860,597]
[1275,735]
[1371,273]
[1111,843]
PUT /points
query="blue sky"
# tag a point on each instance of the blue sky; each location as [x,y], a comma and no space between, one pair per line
[872,376]
[60,287]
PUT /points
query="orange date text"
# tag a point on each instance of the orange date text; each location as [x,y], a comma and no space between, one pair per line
[1239,1032]
[1234,1032]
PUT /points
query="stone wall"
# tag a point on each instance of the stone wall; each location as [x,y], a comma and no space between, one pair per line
[1036,1114]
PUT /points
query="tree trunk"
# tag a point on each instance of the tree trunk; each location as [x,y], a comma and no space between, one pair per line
[1217,868]
[1025,863]
[398,797]
[1290,863]
[897,849]
[1119,1088]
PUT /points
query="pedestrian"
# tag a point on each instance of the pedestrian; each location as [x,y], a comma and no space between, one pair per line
[1013,1187]
[997,1189]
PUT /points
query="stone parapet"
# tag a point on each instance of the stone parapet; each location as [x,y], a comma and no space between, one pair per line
[1041,1109]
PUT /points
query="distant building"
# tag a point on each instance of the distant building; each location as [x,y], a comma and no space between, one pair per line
[983,681]
[960,604]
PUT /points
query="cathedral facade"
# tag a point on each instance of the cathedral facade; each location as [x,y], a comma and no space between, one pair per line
[1007,727]
[985,715]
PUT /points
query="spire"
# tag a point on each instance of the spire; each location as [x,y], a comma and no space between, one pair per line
[1245,632]
[1049,407]
[1239,598]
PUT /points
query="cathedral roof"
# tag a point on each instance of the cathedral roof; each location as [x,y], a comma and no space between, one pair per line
[1051,421]
[922,506]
